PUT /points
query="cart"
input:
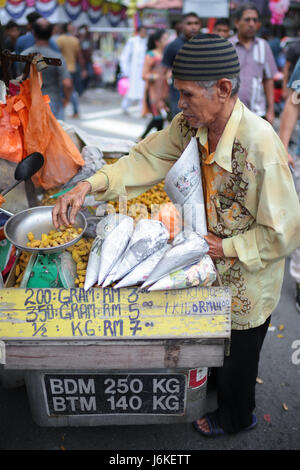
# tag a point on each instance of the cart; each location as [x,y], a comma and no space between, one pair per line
[106,356]
[110,356]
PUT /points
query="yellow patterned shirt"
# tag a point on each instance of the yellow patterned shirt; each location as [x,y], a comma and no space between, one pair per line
[250,197]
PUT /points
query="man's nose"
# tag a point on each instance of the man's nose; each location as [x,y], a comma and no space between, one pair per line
[181,103]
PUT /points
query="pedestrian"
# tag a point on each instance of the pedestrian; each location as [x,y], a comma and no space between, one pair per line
[12,32]
[253,212]
[87,47]
[131,66]
[292,54]
[288,120]
[190,26]
[56,80]
[69,45]
[155,92]
[222,27]
[258,66]
[27,40]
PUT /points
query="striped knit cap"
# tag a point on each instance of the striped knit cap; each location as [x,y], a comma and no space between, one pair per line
[206,57]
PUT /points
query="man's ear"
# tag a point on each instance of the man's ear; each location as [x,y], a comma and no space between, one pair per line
[224,88]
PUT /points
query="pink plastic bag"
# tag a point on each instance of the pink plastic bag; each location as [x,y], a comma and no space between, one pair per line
[123,85]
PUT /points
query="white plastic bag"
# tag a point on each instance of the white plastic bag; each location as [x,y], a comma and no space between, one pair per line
[187,248]
[202,273]
[93,265]
[149,236]
[120,228]
[140,273]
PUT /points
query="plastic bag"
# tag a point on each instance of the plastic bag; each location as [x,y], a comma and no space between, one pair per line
[120,228]
[149,236]
[187,249]
[199,274]
[140,273]
[123,86]
[93,161]
[92,269]
[44,134]
[11,135]
[170,216]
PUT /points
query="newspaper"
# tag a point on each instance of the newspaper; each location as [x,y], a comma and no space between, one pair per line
[183,185]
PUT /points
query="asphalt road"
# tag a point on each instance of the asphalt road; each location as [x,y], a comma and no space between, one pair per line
[278,401]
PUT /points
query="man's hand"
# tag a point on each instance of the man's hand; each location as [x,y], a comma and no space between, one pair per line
[74,200]
[291,161]
[215,246]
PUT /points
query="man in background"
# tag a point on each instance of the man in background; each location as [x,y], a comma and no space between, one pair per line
[288,121]
[222,28]
[190,26]
[69,45]
[27,40]
[258,65]
[57,83]
[131,65]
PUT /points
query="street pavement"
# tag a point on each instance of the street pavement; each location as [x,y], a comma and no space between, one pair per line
[278,387]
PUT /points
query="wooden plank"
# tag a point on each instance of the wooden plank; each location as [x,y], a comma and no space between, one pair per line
[114,355]
[114,314]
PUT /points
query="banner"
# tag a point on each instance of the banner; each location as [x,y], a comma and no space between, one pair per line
[89,12]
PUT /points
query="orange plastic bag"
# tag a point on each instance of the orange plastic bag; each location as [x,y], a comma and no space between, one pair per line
[13,122]
[171,218]
[44,134]
[11,136]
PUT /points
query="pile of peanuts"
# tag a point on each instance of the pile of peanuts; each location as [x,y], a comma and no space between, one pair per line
[80,254]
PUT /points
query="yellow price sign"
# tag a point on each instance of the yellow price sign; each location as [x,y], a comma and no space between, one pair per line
[197,312]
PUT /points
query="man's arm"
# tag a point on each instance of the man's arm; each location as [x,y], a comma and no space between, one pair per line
[269,93]
[285,79]
[289,118]
[288,122]
[67,90]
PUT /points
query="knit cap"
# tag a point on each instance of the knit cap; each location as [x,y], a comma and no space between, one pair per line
[206,57]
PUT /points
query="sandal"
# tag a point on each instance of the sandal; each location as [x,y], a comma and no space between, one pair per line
[215,429]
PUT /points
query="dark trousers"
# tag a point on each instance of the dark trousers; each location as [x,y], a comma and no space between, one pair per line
[155,123]
[236,380]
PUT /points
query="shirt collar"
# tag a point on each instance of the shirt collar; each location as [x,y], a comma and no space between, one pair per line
[235,40]
[223,152]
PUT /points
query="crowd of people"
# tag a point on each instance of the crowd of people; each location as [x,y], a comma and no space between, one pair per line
[72,45]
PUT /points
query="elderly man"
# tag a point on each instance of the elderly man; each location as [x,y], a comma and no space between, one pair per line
[253,213]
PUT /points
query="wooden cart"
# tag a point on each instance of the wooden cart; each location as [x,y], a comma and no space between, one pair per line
[110,356]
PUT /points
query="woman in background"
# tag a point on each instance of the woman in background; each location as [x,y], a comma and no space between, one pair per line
[155,90]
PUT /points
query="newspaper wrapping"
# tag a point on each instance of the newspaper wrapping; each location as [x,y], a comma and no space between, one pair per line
[183,185]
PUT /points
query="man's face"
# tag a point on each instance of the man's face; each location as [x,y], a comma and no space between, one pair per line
[248,24]
[13,33]
[199,106]
[143,32]
[222,30]
[191,26]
